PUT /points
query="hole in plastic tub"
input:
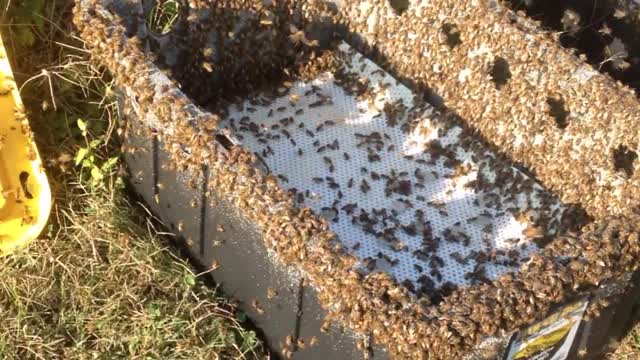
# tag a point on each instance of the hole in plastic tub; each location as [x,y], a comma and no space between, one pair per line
[624,159]
[558,111]
[500,73]
[453,35]
[400,6]
[24,177]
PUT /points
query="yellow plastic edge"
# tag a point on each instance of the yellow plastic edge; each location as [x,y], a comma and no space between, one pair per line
[25,196]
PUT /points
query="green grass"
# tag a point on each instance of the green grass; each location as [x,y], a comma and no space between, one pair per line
[102,281]
[163,16]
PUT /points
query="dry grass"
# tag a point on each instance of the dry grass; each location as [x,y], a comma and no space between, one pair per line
[101,282]
[629,348]
[99,285]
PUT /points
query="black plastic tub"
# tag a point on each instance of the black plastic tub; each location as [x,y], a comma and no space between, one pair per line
[361,204]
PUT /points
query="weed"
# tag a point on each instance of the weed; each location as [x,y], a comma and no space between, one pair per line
[163,16]
[87,157]
[26,20]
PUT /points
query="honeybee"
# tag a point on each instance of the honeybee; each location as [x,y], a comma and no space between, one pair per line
[256,305]
[215,265]
[271,293]
[313,341]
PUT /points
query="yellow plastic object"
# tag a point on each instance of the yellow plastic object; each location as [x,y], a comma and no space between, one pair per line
[25,197]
